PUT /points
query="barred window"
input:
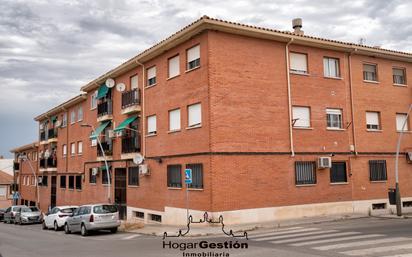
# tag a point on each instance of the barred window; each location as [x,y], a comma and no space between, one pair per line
[174,175]
[305,173]
[133,176]
[79,182]
[62,181]
[338,172]
[197,175]
[377,170]
[71,182]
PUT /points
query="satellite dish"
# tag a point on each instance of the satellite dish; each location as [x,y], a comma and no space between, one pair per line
[110,83]
[120,87]
[138,159]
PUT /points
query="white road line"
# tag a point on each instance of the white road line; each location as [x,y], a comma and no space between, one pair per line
[338,239]
[130,237]
[273,231]
[363,252]
[283,232]
[400,255]
[361,243]
[315,237]
[267,238]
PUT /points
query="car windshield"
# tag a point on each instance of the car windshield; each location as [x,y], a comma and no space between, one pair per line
[25,209]
[33,208]
[101,209]
[68,210]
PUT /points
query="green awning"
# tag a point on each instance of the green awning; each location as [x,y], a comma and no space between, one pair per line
[53,119]
[125,123]
[99,130]
[102,91]
[103,168]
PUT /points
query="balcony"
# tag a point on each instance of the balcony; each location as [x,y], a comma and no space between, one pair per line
[104,111]
[108,151]
[131,101]
[130,146]
[43,137]
[52,135]
[48,164]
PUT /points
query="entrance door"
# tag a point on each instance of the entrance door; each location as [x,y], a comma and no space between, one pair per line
[53,191]
[120,191]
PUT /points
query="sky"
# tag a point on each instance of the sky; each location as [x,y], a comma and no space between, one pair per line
[49,49]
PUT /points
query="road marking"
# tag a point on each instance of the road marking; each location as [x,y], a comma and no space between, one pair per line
[315,237]
[400,255]
[338,239]
[130,237]
[283,232]
[276,230]
[294,235]
[381,249]
[361,243]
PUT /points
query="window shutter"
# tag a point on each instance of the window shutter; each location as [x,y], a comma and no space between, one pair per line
[369,68]
[174,68]
[372,118]
[334,111]
[151,72]
[400,119]
[174,120]
[151,124]
[134,82]
[302,114]
[298,62]
[195,115]
[398,72]
[193,53]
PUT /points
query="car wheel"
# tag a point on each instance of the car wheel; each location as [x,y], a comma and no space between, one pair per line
[55,226]
[66,229]
[83,230]
[113,230]
[43,225]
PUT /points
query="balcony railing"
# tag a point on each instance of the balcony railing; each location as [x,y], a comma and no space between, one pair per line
[104,108]
[107,148]
[130,98]
[48,163]
[43,136]
[52,133]
[131,144]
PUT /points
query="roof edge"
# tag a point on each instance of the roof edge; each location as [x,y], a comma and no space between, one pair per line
[72,101]
[25,147]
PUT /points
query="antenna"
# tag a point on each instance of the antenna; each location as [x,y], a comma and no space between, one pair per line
[110,83]
[138,159]
[120,87]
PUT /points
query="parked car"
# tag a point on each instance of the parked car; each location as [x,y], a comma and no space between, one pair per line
[93,217]
[28,215]
[2,211]
[10,213]
[57,217]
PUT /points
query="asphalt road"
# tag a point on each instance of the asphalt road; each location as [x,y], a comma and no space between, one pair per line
[358,237]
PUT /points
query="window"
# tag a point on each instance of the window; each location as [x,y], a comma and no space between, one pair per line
[73,117]
[298,63]
[151,76]
[331,67]
[174,176]
[193,57]
[80,147]
[3,191]
[64,119]
[105,180]
[338,172]
[79,182]
[64,150]
[73,148]
[197,175]
[62,181]
[399,76]
[44,181]
[301,117]
[151,125]
[373,121]
[92,176]
[174,120]
[174,68]
[133,173]
[334,118]
[134,82]
[369,72]
[305,173]
[71,182]
[34,156]
[400,121]
[80,114]
[377,170]
[194,115]
[93,100]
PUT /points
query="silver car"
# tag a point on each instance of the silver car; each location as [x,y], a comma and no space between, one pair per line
[28,215]
[93,217]
[10,213]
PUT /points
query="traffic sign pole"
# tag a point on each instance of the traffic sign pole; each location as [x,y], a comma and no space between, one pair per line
[188,181]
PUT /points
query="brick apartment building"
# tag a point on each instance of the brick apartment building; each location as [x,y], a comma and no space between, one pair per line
[250,110]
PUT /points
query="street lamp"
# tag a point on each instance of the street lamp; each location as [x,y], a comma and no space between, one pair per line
[398,147]
[104,158]
[24,158]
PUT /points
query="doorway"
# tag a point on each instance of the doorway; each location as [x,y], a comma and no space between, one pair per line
[120,191]
[53,191]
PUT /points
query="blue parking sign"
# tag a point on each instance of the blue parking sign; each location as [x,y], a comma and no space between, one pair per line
[188,176]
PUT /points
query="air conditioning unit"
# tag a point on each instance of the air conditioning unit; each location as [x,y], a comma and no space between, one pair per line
[95,171]
[143,169]
[58,124]
[94,142]
[112,134]
[324,162]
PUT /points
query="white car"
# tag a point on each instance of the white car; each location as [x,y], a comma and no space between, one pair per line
[57,217]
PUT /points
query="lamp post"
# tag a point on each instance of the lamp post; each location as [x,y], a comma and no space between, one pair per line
[24,158]
[104,158]
[398,147]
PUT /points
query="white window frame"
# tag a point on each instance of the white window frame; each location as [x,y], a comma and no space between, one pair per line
[295,63]
[373,120]
[80,113]
[64,150]
[301,116]
[151,125]
[72,117]
[331,65]
[134,82]
[334,112]
[400,118]
[174,66]
[193,57]
[73,149]
[375,72]
[194,115]
[151,74]
[174,120]
[395,75]
[64,119]
[93,100]
[80,147]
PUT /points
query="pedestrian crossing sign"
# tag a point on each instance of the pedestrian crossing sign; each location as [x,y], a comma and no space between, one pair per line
[188,176]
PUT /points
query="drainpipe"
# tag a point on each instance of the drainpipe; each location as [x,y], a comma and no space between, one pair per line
[143,109]
[351,100]
[292,150]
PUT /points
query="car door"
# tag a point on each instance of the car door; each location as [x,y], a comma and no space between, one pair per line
[76,220]
[53,216]
[7,215]
[48,218]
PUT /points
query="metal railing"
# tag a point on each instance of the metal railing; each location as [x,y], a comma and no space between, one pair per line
[130,98]
[131,144]
[107,148]
[52,133]
[104,108]
[48,163]
[43,136]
